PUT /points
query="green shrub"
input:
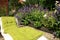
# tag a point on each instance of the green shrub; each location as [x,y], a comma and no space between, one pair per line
[13,4]
[32,2]
[25,22]
[44,3]
[2,11]
[48,4]
[58,33]
[37,24]
[51,22]
[35,17]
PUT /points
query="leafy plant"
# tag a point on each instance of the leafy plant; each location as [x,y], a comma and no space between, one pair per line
[58,33]
[25,22]
[34,17]
[37,24]
[51,22]
[3,11]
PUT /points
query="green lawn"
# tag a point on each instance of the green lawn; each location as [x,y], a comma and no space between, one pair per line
[22,33]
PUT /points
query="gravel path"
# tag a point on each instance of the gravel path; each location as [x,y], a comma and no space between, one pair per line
[50,36]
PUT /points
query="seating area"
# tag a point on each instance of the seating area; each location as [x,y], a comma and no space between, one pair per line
[24,33]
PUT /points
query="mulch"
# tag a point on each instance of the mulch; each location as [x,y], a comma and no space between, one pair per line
[1,37]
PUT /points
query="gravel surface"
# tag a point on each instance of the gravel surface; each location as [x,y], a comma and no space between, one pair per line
[50,36]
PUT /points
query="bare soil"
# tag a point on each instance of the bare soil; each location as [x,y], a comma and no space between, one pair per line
[1,37]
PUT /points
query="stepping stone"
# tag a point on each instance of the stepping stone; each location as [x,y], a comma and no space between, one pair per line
[42,38]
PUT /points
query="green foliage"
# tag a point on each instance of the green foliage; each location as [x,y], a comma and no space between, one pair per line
[31,2]
[25,22]
[58,33]
[35,17]
[37,24]
[2,11]
[13,4]
[44,3]
[51,22]
[57,30]
[57,24]
[48,4]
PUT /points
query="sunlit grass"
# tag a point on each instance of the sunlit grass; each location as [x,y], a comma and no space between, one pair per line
[22,33]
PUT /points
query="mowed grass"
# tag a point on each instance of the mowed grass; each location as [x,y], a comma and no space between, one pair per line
[22,33]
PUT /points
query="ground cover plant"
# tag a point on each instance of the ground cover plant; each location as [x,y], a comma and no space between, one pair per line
[23,33]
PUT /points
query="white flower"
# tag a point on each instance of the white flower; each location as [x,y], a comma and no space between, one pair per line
[57,1]
[45,15]
[13,11]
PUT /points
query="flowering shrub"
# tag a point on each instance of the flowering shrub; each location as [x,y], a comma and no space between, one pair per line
[37,19]
[34,17]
